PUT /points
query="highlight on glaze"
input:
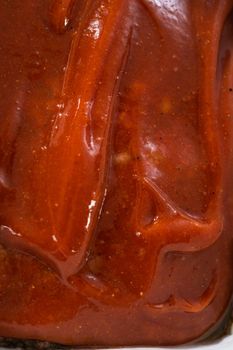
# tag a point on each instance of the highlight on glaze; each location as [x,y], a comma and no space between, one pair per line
[61,12]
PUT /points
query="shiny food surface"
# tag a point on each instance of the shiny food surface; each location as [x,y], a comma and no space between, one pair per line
[116,167]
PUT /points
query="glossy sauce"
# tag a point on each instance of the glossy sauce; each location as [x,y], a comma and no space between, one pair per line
[116,169]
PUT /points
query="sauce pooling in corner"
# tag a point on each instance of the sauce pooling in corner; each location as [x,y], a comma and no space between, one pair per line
[116,169]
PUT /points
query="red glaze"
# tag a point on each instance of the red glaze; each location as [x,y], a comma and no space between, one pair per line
[116,170]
